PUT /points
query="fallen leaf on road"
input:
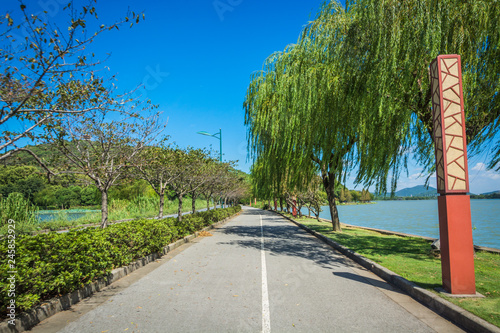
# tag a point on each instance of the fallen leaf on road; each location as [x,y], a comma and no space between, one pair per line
[204,234]
[235,295]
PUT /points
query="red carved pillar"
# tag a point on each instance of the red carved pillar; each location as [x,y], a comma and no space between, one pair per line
[455,229]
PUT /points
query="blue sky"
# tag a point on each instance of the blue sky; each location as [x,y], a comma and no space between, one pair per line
[195,57]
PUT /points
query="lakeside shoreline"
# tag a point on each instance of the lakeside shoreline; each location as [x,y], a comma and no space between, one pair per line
[421,218]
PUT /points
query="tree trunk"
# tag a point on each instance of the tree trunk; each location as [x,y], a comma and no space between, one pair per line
[329,185]
[299,209]
[281,203]
[225,202]
[208,203]
[294,206]
[179,211]
[162,202]
[104,209]
[193,202]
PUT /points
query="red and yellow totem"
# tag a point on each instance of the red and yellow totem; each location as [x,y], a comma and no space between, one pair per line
[455,230]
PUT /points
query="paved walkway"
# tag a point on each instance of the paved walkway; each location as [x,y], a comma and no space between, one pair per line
[257,273]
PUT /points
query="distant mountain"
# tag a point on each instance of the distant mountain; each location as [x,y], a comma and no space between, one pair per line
[417,191]
[489,193]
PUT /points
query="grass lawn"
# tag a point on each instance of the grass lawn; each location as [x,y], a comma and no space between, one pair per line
[412,259]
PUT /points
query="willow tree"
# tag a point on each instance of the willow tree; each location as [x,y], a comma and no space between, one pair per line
[388,46]
[296,109]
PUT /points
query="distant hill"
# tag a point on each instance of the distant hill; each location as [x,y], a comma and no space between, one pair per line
[417,191]
[490,193]
[422,192]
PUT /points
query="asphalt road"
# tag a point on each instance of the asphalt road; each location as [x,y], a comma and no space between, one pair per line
[257,273]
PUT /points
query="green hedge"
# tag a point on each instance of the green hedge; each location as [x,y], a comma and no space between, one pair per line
[54,264]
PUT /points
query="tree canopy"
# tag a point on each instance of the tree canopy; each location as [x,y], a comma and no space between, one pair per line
[47,72]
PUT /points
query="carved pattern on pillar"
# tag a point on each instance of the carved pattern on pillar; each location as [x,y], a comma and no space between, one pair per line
[438,133]
[449,125]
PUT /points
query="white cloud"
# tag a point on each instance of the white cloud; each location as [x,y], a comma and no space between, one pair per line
[481,171]
[479,167]
[483,180]
[492,175]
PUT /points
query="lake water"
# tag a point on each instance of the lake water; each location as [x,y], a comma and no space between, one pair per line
[69,214]
[420,217]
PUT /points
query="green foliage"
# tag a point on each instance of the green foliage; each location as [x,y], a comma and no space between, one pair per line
[13,174]
[17,208]
[90,195]
[356,195]
[47,196]
[22,179]
[67,197]
[52,264]
[366,196]
[133,188]
[137,207]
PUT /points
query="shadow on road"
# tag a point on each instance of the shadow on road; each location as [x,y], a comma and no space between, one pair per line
[366,280]
[283,239]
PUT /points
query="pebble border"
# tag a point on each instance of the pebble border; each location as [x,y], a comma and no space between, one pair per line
[448,310]
[29,319]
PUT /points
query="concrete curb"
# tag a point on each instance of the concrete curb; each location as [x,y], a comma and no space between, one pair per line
[448,310]
[27,320]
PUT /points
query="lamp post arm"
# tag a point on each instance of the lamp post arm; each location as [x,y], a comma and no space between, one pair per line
[220,141]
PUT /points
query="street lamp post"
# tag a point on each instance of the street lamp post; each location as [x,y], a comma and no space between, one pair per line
[215,136]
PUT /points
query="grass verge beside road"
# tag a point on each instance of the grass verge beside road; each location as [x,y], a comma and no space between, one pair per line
[411,257]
